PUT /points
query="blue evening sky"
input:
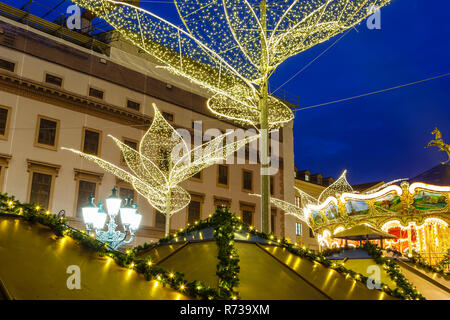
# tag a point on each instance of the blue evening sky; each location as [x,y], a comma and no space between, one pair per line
[378,137]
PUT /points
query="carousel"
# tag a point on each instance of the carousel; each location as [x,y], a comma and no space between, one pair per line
[416,214]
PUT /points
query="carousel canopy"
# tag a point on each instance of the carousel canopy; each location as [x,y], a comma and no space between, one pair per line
[363,232]
[439,176]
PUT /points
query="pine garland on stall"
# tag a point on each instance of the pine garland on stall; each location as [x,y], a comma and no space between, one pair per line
[419,261]
[33,213]
[222,221]
[225,224]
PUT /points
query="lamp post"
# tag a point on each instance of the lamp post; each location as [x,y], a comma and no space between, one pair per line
[94,218]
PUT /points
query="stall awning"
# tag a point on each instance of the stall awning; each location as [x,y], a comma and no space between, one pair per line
[363,232]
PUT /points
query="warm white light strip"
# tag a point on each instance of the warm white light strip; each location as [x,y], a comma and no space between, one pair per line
[310,207]
[420,185]
[378,194]
[323,205]
[437,221]
[338,229]
[392,224]
[396,223]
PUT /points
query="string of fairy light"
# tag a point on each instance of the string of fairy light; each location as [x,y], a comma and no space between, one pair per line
[164,160]
[231,48]
[220,47]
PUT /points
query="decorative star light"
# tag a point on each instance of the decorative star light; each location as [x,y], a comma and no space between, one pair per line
[232,48]
[163,161]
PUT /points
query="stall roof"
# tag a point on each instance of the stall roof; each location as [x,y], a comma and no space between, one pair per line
[363,232]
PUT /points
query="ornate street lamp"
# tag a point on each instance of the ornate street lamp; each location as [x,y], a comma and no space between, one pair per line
[94,218]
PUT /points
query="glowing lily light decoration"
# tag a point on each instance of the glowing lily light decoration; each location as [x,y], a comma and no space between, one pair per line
[232,48]
[163,161]
[305,198]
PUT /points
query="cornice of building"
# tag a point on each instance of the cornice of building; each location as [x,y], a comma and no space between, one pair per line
[37,91]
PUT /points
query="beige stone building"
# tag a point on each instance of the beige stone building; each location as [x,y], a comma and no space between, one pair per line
[65,89]
[314,185]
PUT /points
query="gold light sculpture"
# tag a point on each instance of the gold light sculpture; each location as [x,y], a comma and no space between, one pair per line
[232,47]
[163,161]
[288,208]
[337,188]
[305,198]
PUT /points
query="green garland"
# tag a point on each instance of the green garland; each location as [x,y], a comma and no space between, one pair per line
[419,261]
[222,221]
[444,262]
[225,224]
[404,289]
[33,213]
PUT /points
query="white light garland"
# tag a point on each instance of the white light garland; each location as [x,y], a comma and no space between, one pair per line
[232,48]
[420,185]
[371,196]
[337,188]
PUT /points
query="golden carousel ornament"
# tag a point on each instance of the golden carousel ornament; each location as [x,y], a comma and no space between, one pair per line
[439,142]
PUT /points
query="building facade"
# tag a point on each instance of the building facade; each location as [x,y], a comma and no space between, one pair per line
[55,93]
[313,185]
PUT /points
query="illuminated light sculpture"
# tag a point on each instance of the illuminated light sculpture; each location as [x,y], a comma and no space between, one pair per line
[163,161]
[308,203]
[232,48]
[94,218]
[305,198]
[338,187]
[288,208]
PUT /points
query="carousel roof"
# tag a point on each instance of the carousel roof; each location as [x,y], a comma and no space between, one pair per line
[439,175]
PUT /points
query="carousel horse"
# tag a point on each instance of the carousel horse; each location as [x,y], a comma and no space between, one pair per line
[438,142]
